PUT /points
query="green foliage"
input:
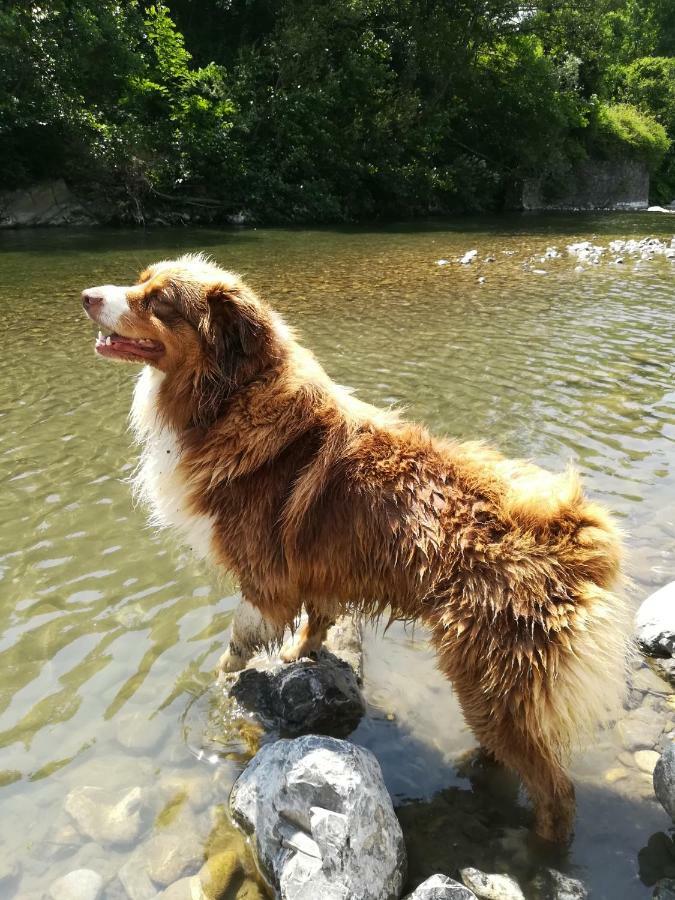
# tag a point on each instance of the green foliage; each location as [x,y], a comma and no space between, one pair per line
[620,129]
[330,109]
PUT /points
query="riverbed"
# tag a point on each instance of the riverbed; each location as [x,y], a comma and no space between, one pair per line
[109,632]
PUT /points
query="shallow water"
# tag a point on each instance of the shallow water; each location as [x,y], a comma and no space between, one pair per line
[109,633]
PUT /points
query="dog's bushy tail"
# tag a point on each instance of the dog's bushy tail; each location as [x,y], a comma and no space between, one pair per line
[586,674]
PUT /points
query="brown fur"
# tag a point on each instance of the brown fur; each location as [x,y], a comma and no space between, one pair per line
[320,499]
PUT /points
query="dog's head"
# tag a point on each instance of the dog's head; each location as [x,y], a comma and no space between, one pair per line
[193,321]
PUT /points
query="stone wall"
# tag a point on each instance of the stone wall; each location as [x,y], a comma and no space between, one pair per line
[592,184]
[48,203]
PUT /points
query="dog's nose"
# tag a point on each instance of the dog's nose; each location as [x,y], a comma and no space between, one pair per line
[91,297]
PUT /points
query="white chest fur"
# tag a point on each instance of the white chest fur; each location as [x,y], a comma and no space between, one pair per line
[158,481]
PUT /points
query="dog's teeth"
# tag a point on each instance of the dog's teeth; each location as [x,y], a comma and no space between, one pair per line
[100,336]
[108,341]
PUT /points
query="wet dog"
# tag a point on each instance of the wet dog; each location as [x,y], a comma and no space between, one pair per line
[309,496]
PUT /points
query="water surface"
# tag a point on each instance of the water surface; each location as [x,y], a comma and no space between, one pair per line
[109,633]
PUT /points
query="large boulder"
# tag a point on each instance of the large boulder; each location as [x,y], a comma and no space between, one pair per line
[655,622]
[47,203]
[440,887]
[322,821]
[664,779]
[303,697]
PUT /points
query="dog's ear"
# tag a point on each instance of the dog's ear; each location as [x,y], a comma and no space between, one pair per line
[233,330]
[232,324]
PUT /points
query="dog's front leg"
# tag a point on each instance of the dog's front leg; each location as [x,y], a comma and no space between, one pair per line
[309,637]
[250,633]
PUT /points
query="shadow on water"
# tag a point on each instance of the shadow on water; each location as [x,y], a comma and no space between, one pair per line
[482,819]
[79,241]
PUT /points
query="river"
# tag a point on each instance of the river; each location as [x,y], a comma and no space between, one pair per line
[109,633]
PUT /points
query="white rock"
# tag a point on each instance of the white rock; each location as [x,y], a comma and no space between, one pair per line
[655,622]
[664,780]
[491,887]
[105,816]
[440,887]
[645,760]
[442,262]
[468,257]
[322,820]
[81,884]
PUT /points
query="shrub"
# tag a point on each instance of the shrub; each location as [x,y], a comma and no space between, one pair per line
[620,130]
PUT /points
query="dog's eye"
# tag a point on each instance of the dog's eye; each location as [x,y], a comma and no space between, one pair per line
[162,308]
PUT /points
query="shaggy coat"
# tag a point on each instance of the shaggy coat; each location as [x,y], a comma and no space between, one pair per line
[312,497]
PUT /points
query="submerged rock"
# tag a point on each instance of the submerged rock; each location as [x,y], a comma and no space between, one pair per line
[303,697]
[491,887]
[322,820]
[440,887]
[105,816]
[167,857]
[664,780]
[665,889]
[553,885]
[139,733]
[655,622]
[81,884]
[641,729]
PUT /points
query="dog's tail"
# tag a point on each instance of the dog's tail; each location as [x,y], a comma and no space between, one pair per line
[585,673]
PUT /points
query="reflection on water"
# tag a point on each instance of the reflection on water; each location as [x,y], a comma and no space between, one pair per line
[109,633]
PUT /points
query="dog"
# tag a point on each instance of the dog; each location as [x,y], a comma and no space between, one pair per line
[310,496]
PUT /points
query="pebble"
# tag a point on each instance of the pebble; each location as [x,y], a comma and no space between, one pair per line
[640,729]
[440,887]
[645,760]
[616,774]
[218,873]
[139,733]
[80,884]
[491,887]
[105,816]
[136,881]
[468,257]
[553,885]
[168,857]
[664,889]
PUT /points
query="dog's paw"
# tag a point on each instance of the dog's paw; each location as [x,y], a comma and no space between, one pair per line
[231,662]
[299,649]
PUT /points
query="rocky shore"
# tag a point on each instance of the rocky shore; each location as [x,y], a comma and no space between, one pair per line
[310,817]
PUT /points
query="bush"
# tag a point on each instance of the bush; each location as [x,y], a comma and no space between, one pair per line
[620,130]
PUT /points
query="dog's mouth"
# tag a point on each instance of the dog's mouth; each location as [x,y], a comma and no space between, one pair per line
[116,346]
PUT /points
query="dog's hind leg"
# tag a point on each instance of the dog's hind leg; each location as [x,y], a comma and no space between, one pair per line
[507,728]
[309,637]
[250,633]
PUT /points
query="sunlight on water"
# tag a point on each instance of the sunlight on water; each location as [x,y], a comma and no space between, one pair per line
[109,633]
